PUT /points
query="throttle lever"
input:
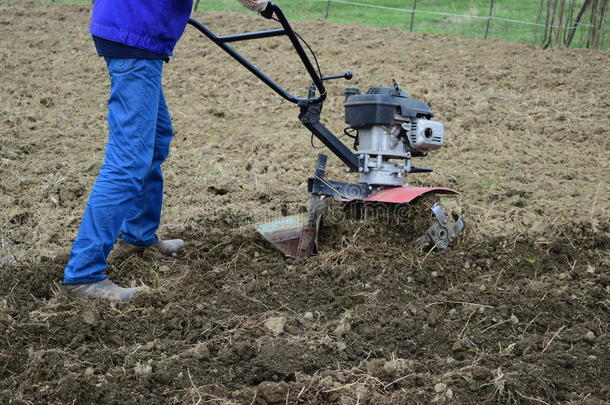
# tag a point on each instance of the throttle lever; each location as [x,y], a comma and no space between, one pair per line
[347,76]
[312,88]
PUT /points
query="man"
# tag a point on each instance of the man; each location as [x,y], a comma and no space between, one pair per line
[136,37]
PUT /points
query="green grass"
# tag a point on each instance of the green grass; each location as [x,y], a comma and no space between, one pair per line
[525,10]
[522,10]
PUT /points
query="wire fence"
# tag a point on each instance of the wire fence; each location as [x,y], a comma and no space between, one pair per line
[546,23]
[570,23]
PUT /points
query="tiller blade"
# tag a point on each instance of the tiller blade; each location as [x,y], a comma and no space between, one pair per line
[296,235]
[442,232]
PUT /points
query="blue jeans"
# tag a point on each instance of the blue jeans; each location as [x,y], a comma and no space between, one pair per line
[127,196]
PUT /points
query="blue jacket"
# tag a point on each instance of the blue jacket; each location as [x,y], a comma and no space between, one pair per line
[154,25]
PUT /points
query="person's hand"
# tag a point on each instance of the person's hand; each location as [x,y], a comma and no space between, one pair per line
[255,5]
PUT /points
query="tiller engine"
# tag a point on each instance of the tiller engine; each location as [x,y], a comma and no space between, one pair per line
[389,129]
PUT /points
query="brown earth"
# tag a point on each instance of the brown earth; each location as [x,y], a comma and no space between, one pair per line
[517,311]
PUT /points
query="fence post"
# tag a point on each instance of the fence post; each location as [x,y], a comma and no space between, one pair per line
[491,10]
[412,15]
[605,28]
[327,7]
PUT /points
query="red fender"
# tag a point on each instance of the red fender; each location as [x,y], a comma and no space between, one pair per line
[402,195]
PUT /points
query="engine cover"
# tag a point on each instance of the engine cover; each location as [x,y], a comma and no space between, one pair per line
[380,105]
[425,135]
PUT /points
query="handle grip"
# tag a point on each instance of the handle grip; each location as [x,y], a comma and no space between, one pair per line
[267,12]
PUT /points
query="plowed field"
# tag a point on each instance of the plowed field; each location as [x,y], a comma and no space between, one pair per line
[517,311]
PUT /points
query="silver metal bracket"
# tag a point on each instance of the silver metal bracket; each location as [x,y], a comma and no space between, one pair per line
[443,231]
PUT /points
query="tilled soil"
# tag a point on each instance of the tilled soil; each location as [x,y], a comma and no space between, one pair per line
[517,311]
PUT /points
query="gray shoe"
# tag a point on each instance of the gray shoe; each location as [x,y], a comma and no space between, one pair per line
[166,247]
[104,289]
[169,246]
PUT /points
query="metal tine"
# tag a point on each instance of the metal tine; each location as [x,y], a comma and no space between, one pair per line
[439,213]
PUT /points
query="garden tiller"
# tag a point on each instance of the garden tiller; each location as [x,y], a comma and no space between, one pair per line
[388,127]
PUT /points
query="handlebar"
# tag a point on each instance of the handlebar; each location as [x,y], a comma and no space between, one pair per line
[270,11]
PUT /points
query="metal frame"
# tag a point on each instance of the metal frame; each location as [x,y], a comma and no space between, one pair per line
[338,190]
[287,30]
[311,106]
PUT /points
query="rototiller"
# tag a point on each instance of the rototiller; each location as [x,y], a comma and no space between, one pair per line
[388,127]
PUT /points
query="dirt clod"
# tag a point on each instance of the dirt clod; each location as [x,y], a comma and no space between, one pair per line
[276,324]
[440,387]
[589,336]
[481,373]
